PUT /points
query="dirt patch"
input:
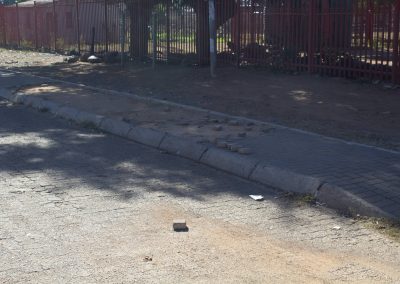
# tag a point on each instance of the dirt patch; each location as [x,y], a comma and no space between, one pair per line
[356,111]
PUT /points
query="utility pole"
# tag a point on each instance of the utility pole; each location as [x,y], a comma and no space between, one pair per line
[213,37]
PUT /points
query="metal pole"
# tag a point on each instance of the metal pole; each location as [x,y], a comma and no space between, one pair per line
[213,37]
[18,31]
[154,38]
[54,25]
[36,31]
[78,33]
[122,36]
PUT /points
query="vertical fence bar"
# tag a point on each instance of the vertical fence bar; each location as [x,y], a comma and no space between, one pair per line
[78,33]
[3,18]
[237,44]
[36,27]
[54,25]
[168,30]
[106,23]
[18,28]
[213,40]
[395,63]
[154,38]
[310,52]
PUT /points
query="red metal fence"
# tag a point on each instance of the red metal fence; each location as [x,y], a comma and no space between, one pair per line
[347,38]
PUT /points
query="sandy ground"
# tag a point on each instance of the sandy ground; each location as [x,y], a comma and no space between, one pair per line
[359,111]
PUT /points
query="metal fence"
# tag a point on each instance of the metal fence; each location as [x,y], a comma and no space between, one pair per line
[347,38]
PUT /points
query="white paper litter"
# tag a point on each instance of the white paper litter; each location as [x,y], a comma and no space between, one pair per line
[257,197]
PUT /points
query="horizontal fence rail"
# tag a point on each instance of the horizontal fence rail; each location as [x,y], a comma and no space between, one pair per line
[346,38]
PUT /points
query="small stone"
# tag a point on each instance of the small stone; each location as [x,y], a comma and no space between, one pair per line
[217,128]
[244,151]
[179,225]
[233,122]
[248,128]
[243,134]
[234,147]
[250,123]
[214,120]
[222,144]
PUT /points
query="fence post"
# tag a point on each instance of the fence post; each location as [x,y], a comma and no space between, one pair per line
[55,25]
[213,36]
[310,52]
[237,36]
[395,63]
[18,31]
[35,19]
[106,22]
[78,33]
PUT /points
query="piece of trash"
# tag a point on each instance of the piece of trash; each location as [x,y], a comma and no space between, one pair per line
[179,225]
[257,197]
[337,227]
[147,259]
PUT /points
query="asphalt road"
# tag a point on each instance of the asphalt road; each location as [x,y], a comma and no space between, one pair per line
[80,206]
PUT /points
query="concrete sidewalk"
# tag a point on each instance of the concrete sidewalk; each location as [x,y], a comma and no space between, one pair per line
[354,178]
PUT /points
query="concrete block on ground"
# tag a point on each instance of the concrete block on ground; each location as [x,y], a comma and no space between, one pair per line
[34,102]
[115,126]
[349,203]
[230,162]
[285,180]
[146,136]
[179,225]
[86,117]
[19,98]
[67,112]
[181,146]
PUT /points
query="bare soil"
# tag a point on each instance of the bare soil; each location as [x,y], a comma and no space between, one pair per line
[357,111]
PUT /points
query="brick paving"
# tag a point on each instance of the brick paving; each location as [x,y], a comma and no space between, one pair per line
[77,206]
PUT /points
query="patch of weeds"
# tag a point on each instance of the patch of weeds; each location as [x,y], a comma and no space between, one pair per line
[389,228]
[301,199]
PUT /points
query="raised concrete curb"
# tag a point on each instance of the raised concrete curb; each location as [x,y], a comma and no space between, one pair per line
[184,147]
[242,166]
[116,127]
[233,163]
[344,201]
[284,179]
[146,136]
